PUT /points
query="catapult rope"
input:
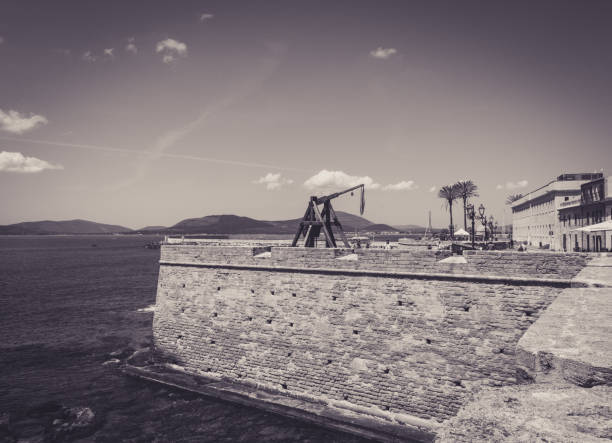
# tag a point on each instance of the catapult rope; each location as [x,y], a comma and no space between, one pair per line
[362,203]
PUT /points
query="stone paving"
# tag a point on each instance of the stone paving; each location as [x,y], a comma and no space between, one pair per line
[566,359]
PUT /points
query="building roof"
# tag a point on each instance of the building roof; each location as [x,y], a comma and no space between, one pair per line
[564,182]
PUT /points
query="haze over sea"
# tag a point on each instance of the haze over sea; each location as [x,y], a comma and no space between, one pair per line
[68,306]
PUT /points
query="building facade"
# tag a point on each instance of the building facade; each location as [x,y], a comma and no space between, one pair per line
[535,216]
[593,206]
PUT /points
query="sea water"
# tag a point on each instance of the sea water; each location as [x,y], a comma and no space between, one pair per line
[71,307]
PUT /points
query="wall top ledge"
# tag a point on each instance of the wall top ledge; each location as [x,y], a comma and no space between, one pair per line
[499,279]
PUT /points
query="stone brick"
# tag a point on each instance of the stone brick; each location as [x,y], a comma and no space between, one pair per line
[337,337]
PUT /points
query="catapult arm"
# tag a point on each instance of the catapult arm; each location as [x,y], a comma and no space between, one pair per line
[315,221]
[323,199]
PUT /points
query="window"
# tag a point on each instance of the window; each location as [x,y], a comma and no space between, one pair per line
[566,198]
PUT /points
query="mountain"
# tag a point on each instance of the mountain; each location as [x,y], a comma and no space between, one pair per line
[210,224]
[233,224]
[223,224]
[61,227]
[379,227]
[348,221]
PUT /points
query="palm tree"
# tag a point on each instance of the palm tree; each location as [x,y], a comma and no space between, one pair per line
[449,193]
[512,198]
[467,189]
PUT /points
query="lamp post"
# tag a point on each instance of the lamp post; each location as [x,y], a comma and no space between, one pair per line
[471,215]
[483,219]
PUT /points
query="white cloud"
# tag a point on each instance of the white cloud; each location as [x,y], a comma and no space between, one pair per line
[170,49]
[131,46]
[513,185]
[108,52]
[205,17]
[383,53]
[433,189]
[401,186]
[325,178]
[273,181]
[89,57]
[17,162]
[17,123]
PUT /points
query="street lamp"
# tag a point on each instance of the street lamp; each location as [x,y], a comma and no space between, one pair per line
[471,215]
[483,219]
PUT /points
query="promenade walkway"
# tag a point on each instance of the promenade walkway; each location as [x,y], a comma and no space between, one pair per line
[565,362]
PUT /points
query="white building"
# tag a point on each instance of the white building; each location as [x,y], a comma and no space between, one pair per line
[535,218]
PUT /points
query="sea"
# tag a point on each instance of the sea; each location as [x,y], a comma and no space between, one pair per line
[71,307]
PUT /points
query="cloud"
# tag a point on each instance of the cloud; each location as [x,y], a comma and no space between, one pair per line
[205,17]
[17,123]
[433,189]
[383,53]
[325,178]
[513,185]
[89,57]
[401,186]
[108,52]
[170,49]
[131,46]
[17,162]
[273,181]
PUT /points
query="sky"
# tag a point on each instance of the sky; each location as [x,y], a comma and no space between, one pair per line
[147,112]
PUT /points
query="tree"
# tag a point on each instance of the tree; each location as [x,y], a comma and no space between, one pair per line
[512,198]
[449,193]
[466,189]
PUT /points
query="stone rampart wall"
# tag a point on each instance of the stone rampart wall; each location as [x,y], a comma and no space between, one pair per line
[398,345]
[483,263]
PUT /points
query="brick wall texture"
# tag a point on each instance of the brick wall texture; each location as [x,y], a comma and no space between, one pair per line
[416,347]
[498,263]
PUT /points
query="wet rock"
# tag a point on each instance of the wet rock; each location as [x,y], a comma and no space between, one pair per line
[142,357]
[76,422]
[121,353]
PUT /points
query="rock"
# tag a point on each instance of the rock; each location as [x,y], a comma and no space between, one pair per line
[76,422]
[122,353]
[142,357]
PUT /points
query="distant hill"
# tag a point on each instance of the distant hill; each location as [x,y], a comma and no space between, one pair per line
[349,222]
[61,227]
[223,224]
[234,224]
[379,227]
[210,224]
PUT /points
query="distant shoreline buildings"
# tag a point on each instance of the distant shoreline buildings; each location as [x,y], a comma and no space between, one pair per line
[557,215]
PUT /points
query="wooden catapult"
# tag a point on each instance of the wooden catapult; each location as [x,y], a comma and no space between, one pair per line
[315,221]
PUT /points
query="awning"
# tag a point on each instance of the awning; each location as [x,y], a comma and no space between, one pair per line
[462,232]
[603,226]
